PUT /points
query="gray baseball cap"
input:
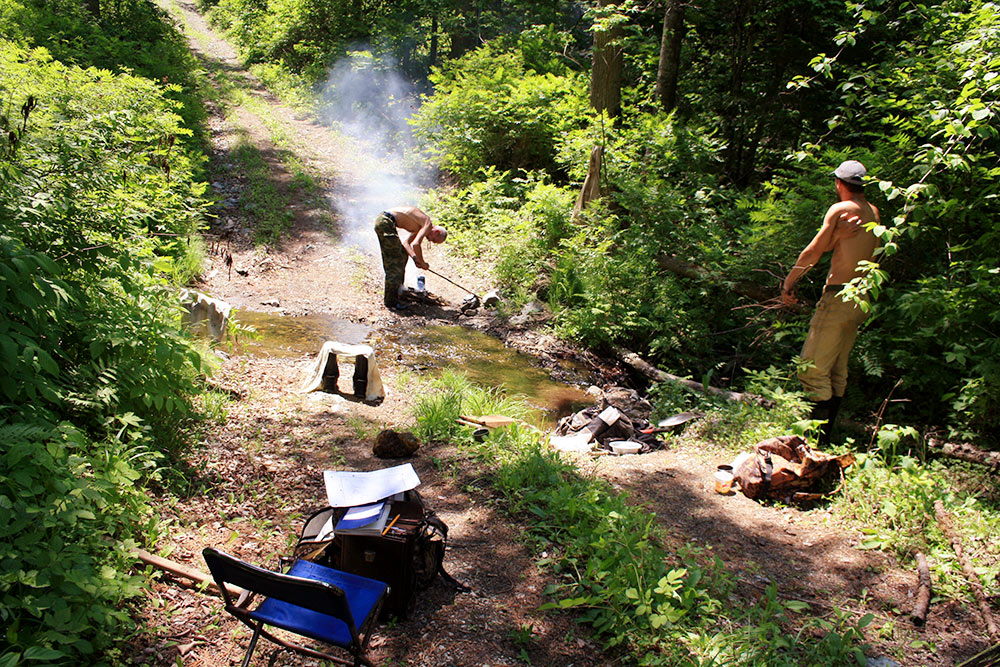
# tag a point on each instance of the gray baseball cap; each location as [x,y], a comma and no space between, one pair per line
[851,171]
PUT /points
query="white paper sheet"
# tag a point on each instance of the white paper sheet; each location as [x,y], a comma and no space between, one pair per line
[347,489]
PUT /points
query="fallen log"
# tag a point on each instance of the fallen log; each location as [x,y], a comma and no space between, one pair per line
[988,658]
[680,267]
[965,452]
[919,613]
[184,572]
[948,528]
[654,373]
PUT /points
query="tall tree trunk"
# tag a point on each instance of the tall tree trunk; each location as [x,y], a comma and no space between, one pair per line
[464,32]
[434,42]
[606,72]
[670,54]
[739,126]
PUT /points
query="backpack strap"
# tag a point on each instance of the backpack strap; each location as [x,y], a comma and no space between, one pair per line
[431,519]
[767,469]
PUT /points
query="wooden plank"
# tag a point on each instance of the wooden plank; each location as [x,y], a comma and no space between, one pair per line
[184,572]
[490,421]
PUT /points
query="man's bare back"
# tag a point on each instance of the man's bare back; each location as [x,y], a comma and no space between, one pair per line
[844,231]
[853,242]
[411,219]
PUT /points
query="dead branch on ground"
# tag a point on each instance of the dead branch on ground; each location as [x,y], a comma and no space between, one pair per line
[919,613]
[948,528]
[654,373]
[965,452]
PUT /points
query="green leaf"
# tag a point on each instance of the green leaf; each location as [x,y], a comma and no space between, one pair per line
[43,653]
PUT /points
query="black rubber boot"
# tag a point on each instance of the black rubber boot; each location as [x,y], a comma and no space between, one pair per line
[821,412]
[832,408]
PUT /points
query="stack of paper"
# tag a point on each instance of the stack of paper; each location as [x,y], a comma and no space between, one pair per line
[350,489]
[365,495]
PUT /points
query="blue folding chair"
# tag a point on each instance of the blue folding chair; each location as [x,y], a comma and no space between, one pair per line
[311,600]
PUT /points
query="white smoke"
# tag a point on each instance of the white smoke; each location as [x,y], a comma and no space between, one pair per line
[369,103]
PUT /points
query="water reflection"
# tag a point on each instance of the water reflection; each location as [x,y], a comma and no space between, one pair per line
[488,363]
[288,336]
[427,349]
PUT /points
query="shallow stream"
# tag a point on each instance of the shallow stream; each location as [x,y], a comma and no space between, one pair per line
[424,349]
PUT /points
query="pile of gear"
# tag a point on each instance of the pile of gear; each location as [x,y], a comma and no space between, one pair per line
[620,416]
[786,468]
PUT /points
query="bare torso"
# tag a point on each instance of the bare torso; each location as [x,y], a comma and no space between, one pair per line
[409,218]
[851,245]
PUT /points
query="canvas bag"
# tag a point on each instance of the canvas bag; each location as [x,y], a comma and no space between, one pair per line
[408,557]
[786,468]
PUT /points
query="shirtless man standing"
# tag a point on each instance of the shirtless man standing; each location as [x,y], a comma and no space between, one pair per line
[396,250]
[834,325]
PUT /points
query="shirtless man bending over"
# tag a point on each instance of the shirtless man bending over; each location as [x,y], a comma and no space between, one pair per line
[396,250]
[834,325]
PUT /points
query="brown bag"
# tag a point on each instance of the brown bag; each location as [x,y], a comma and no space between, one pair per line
[785,468]
[407,557]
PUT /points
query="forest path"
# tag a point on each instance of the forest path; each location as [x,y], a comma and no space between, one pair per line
[259,471]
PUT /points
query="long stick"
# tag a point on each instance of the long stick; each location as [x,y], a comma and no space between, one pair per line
[183,571]
[919,613]
[944,520]
[452,282]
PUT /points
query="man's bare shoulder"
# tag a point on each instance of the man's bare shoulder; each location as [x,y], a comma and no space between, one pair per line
[841,207]
[409,218]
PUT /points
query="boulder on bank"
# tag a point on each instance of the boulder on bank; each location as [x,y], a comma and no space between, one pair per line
[391,444]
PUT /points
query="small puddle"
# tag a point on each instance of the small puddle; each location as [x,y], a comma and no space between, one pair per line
[483,358]
[488,363]
[288,336]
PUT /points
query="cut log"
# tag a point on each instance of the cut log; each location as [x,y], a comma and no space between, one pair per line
[965,452]
[988,658]
[654,373]
[948,528]
[919,613]
[183,571]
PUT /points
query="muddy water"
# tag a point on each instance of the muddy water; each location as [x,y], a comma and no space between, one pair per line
[284,336]
[488,363]
[425,349]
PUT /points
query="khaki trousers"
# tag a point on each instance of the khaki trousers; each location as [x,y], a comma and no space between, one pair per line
[832,332]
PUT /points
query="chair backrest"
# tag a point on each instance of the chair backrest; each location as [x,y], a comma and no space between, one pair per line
[315,595]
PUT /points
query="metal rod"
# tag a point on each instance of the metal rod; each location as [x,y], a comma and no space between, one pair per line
[452,282]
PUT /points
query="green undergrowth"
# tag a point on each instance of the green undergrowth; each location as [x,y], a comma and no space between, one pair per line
[101,205]
[613,566]
[899,518]
[888,495]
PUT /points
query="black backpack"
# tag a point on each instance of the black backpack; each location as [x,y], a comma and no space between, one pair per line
[407,556]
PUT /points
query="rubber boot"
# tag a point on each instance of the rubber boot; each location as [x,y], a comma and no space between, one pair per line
[832,408]
[331,373]
[360,376]
[821,412]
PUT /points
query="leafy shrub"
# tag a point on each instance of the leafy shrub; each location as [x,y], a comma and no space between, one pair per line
[490,110]
[97,207]
[508,227]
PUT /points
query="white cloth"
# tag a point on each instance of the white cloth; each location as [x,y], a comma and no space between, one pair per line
[205,314]
[374,391]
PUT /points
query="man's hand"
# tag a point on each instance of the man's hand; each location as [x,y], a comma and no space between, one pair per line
[420,264]
[849,224]
[788,297]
